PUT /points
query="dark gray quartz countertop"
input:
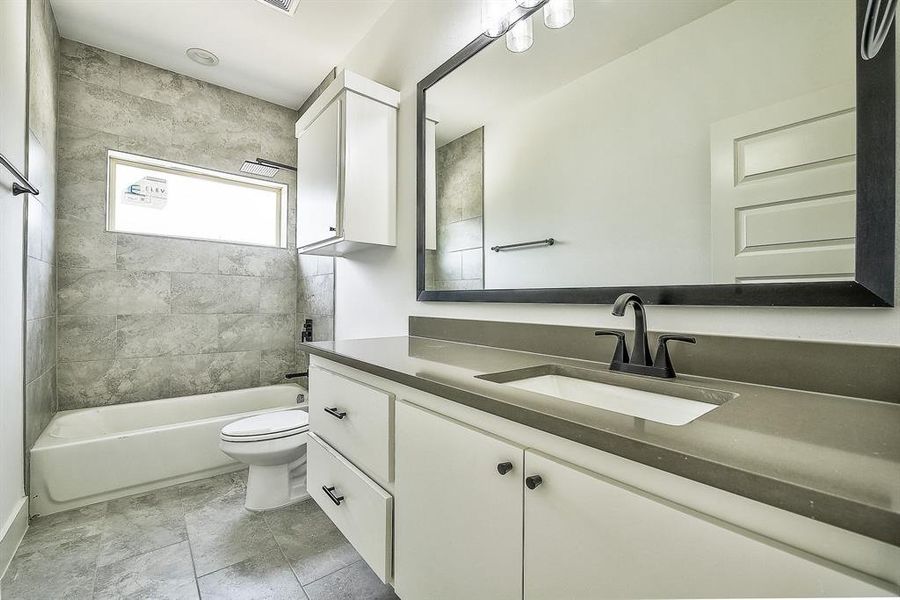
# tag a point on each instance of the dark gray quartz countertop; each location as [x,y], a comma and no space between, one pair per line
[831,458]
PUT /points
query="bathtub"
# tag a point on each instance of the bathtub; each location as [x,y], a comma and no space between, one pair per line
[94,454]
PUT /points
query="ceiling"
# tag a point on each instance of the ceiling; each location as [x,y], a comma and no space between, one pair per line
[262,52]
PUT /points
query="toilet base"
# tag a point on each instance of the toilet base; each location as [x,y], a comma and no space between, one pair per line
[271,487]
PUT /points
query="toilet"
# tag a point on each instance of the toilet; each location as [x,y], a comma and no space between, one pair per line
[274,445]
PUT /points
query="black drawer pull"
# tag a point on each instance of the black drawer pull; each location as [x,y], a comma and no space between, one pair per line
[335,412]
[504,468]
[329,491]
[533,481]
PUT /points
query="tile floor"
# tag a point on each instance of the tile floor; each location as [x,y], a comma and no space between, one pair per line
[189,541]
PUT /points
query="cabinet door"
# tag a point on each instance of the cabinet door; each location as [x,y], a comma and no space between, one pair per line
[588,537]
[457,520]
[319,161]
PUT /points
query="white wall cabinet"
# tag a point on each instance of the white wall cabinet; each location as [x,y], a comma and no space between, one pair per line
[347,168]
[458,522]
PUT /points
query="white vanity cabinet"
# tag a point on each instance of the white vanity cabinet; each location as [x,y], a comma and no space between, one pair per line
[347,168]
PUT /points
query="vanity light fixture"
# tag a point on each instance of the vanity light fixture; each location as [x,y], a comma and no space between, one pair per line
[521,36]
[513,18]
[559,13]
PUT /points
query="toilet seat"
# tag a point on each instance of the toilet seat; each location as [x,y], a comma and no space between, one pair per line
[268,426]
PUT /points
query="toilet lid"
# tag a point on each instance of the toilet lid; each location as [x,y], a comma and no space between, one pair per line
[272,423]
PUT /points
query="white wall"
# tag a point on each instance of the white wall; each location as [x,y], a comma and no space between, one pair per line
[375,290]
[616,164]
[13,31]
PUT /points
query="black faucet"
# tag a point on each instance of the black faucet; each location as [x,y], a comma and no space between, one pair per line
[640,362]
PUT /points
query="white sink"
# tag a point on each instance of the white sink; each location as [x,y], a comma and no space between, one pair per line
[665,404]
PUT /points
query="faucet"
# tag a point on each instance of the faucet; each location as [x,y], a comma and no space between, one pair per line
[639,362]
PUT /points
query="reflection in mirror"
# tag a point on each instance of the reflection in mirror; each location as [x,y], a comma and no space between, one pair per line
[656,142]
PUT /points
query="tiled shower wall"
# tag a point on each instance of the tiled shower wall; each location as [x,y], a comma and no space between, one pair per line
[458,262]
[40,269]
[145,317]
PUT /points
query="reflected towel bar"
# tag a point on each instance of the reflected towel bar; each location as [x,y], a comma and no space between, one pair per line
[547,242]
[16,188]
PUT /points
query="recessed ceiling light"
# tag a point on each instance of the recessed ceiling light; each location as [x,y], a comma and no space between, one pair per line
[203,57]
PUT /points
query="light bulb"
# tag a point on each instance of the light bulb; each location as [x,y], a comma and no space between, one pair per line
[521,36]
[559,13]
[495,16]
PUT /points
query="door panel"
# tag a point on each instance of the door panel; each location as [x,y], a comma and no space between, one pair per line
[457,520]
[784,191]
[588,537]
[319,155]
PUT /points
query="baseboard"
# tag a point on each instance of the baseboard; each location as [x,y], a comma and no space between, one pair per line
[12,533]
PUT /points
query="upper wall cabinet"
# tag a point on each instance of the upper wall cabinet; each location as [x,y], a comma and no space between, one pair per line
[347,168]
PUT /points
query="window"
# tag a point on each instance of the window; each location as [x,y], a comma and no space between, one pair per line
[157,197]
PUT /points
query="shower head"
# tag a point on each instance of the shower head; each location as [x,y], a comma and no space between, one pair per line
[264,168]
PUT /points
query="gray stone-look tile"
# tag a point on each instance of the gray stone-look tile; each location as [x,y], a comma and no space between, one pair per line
[310,264]
[461,235]
[64,527]
[165,573]
[40,404]
[257,261]
[223,533]
[278,295]
[48,223]
[256,332]
[197,494]
[104,382]
[150,253]
[356,582]
[472,264]
[311,542]
[199,293]
[165,335]
[204,373]
[40,289]
[40,346]
[275,364]
[169,88]
[85,198]
[93,292]
[88,63]
[84,244]
[71,576]
[86,337]
[34,227]
[449,266]
[136,525]
[315,295]
[265,575]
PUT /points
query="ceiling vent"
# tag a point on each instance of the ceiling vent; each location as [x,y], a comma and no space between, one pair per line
[284,6]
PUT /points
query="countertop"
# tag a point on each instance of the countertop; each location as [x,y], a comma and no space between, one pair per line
[831,458]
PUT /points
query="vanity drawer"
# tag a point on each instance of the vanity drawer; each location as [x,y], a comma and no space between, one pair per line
[355,419]
[360,508]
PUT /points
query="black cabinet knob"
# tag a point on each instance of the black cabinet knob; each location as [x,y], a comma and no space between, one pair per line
[504,468]
[533,481]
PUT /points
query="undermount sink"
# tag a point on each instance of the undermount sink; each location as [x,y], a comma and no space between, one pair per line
[662,401]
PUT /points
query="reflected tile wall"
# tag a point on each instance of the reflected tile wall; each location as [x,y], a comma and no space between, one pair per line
[457,264]
[144,317]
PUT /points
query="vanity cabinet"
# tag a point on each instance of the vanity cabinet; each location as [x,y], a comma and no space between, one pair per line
[347,168]
[458,527]
[548,529]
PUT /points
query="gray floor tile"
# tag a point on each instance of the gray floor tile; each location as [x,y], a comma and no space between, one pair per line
[164,573]
[138,524]
[311,542]
[356,582]
[263,576]
[196,494]
[62,527]
[222,532]
[63,570]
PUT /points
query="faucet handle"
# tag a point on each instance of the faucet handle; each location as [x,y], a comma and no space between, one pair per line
[663,360]
[621,353]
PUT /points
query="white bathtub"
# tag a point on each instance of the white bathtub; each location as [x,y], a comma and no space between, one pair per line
[95,454]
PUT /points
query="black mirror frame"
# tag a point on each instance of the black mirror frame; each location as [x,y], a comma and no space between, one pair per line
[875,211]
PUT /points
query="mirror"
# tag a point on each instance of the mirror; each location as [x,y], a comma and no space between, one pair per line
[702,150]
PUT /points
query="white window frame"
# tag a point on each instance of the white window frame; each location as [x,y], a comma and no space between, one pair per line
[115,157]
